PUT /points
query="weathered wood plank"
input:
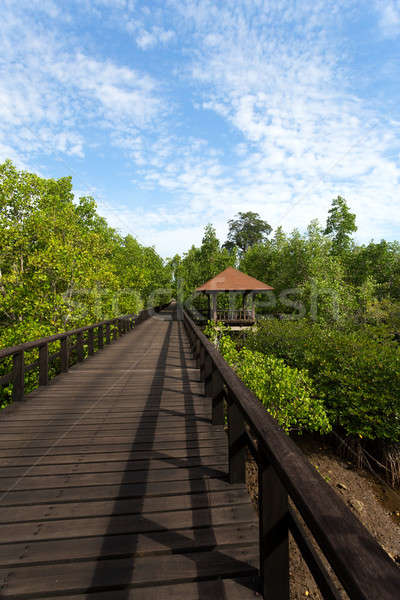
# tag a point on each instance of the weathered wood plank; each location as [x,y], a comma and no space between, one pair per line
[112,467]
[133,524]
[112,574]
[119,546]
[99,492]
[60,448]
[241,588]
[43,512]
[85,457]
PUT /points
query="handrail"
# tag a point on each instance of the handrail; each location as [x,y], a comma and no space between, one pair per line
[360,564]
[68,354]
[57,336]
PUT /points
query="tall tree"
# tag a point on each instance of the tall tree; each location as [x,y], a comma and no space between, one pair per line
[246,230]
[340,224]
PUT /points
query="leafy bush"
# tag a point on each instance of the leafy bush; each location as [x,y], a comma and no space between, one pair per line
[287,393]
[357,373]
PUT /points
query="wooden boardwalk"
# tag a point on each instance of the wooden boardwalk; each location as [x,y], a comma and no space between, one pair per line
[113,482]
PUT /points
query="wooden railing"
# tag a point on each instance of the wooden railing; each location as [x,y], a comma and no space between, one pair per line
[229,314]
[235,315]
[73,346]
[291,493]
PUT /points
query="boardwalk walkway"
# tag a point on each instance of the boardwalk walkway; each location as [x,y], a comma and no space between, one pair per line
[113,482]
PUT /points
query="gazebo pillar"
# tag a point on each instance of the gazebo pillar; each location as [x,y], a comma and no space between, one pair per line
[253,306]
[214,306]
[244,298]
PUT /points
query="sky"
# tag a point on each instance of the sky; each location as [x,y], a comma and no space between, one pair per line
[177,113]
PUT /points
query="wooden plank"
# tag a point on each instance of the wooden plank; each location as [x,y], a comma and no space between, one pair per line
[94,422]
[70,439]
[71,480]
[75,494]
[112,467]
[62,448]
[130,429]
[119,546]
[42,512]
[81,577]
[241,588]
[85,457]
[65,414]
[118,524]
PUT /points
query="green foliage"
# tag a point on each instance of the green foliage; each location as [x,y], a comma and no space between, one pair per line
[246,230]
[379,262]
[356,372]
[61,265]
[287,393]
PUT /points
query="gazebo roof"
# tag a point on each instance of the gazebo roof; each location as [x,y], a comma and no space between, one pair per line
[232,280]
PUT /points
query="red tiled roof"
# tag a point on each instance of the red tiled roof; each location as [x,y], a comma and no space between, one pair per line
[232,280]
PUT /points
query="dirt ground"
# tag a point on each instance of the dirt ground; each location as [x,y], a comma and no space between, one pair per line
[373,502]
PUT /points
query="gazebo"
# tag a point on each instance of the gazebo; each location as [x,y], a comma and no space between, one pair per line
[233,281]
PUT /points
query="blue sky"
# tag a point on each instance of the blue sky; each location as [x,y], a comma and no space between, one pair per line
[176,113]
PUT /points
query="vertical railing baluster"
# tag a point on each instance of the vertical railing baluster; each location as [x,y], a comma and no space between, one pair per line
[237,442]
[202,355]
[100,337]
[274,543]
[44,364]
[18,375]
[90,341]
[64,353]
[79,346]
[115,329]
[217,395]
[108,333]
[197,352]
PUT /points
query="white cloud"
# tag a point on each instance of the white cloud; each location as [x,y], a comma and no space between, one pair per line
[306,137]
[389,16]
[156,36]
[290,131]
[50,93]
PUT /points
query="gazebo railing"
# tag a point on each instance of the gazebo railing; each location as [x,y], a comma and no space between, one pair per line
[229,314]
[235,315]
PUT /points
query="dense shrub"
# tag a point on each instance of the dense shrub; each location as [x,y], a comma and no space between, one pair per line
[357,372]
[287,393]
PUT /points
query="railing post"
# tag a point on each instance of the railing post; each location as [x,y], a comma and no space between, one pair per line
[100,337]
[214,389]
[197,347]
[44,364]
[64,354]
[274,543]
[18,375]
[237,442]
[108,335]
[217,394]
[90,341]
[115,329]
[79,346]
[202,356]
